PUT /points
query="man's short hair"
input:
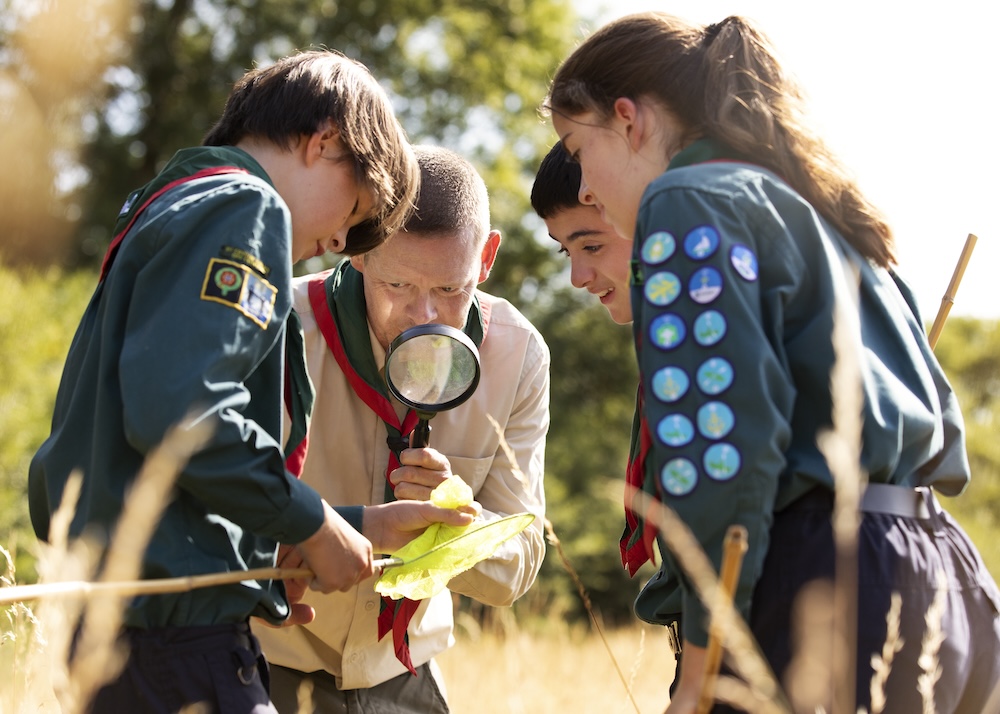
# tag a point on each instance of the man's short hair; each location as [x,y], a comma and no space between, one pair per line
[296,96]
[557,183]
[452,195]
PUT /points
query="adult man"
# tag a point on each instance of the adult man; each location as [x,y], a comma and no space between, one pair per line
[426,273]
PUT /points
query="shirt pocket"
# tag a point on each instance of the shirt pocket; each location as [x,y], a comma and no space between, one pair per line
[472,471]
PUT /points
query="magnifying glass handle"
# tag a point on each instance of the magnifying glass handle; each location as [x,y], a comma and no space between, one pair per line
[421,434]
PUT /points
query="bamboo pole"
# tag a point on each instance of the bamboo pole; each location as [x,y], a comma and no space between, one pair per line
[734,548]
[949,297]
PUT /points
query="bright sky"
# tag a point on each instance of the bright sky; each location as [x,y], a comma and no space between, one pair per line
[908,97]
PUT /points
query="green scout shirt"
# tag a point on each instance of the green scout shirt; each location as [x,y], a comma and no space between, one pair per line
[736,278]
[190,315]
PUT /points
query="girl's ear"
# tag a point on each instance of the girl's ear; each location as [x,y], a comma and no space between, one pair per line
[632,121]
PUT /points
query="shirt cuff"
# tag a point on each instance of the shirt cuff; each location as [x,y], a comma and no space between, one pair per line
[354,515]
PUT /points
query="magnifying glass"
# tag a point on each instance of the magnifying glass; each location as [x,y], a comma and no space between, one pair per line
[431,368]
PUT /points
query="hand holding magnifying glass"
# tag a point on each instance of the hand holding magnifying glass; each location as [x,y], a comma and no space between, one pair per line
[431,368]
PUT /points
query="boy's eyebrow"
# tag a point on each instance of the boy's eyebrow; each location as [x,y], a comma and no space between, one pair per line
[580,233]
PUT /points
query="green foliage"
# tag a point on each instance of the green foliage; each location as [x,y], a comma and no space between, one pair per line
[35,333]
[969,351]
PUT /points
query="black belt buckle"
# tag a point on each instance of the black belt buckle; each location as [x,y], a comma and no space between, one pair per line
[674,638]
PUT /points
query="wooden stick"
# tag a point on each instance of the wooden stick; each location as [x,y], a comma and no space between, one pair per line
[130,588]
[734,547]
[949,297]
[157,586]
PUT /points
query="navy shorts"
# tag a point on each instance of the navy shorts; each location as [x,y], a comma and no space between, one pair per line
[220,666]
[895,554]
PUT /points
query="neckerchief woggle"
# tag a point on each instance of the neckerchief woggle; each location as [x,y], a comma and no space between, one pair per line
[201,162]
[338,301]
[636,543]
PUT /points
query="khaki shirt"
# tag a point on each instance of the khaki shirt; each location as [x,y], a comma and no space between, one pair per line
[346,463]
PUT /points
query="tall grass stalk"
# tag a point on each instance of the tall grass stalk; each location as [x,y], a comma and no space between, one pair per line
[78,669]
[882,664]
[841,447]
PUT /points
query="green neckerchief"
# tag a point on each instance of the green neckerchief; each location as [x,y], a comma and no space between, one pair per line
[704,150]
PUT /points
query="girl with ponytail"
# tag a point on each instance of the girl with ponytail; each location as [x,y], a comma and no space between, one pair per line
[752,247]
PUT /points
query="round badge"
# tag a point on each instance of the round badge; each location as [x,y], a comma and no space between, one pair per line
[670,384]
[678,477]
[744,262]
[715,420]
[705,285]
[227,279]
[721,461]
[675,430]
[709,328]
[714,376]
[658,247]
[662,288]
[701,242]
[667,331]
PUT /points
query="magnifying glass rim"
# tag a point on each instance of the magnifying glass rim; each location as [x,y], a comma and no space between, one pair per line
[433,328]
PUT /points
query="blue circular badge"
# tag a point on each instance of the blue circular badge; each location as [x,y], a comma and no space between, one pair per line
[678,477]
[709,328]
[670,384]
[667,331]
[744,262]
[675,430]
[658,247]
[715,420]
[721,461]
[701,242]
[714,376]
[705,285]
[662,288]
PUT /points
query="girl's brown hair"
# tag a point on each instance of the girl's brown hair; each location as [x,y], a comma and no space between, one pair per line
[723,82]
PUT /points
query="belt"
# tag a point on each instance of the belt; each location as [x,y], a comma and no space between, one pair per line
[885,498]
[898,500]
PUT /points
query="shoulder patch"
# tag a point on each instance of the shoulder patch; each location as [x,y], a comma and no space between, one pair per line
[242,256]
[233,284]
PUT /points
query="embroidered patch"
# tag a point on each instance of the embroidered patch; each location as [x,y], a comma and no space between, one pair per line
[670,384]
[701,242]
[715,420]
[242,256]
[714,376]
[234,285]
[658,247]
[705,285]
[678,477]
[662,288]
[667,331]
[709,328]
[675,430]
[744,262]
[721,461]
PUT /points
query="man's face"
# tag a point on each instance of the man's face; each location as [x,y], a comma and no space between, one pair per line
[415,279]
[598,256]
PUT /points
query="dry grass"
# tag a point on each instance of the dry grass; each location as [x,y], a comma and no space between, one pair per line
[565,670]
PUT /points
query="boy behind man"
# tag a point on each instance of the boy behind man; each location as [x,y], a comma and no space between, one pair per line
[190,313]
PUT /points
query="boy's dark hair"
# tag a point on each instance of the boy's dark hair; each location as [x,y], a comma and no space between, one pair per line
[296,96]
[557,183]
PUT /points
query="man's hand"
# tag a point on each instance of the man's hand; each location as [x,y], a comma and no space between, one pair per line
[338,555]
[420,472]
[390,526]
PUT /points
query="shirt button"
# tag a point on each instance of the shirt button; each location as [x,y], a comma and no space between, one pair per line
[370,605]
[354,658]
